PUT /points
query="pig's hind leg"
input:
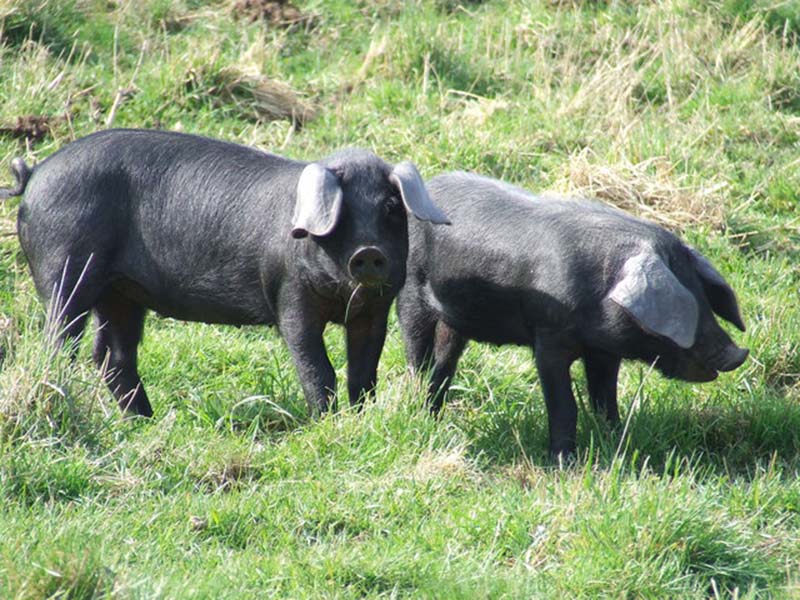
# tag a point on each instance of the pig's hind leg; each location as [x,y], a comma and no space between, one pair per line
[119,330]
[418,325]
[447,348]
[601,377]
[69,288]
[72,288]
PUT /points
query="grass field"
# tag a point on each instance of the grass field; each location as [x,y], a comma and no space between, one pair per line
[684,112]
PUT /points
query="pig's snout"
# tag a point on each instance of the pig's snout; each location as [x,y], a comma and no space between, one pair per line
[707,369]
[369,266]
[733,358]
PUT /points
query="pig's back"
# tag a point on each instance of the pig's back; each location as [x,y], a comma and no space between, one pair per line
[512,261]
[171,215]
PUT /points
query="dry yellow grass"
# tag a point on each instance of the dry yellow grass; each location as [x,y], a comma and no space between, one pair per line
[267,99]
[271,99]
[442,464]
[650,189]
[244,84]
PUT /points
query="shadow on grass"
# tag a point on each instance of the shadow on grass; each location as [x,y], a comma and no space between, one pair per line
[735,437]
[62,27]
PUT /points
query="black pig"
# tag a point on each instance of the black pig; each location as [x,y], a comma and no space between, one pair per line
[570,278]
[123,221]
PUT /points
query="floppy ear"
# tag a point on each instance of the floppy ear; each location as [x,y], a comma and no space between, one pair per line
[415,197]
[656,300]
[720,295]
[318,204]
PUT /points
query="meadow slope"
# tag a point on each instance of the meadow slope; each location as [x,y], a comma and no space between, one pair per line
[686,113]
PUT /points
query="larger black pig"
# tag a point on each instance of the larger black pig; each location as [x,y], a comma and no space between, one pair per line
[123,221]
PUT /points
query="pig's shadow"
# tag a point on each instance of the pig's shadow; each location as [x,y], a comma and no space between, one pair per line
[729,438]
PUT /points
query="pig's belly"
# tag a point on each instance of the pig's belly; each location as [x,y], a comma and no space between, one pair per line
[194,305]
[481,312]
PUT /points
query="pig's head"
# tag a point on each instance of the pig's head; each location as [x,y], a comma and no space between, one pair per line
[670,310]
[352,213]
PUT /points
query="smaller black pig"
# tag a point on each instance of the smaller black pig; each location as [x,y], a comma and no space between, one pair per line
[570,278]
[123,221]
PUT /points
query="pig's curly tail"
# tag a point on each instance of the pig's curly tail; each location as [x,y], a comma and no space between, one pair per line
[22,173]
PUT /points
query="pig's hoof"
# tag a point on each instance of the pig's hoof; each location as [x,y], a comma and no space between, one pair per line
[136,409]
[132,415]
[563,457]
[320,411]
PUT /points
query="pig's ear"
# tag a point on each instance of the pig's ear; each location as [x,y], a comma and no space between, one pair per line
[318,204]
[651,294]
[720,295]
[415,197]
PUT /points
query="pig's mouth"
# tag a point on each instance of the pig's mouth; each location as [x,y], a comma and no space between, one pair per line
[707,369]
[728,359]
[355,299]
[696,373]
[372,285]
[686,370]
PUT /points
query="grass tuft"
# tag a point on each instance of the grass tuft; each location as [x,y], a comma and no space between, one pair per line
[79,575]
[46,395]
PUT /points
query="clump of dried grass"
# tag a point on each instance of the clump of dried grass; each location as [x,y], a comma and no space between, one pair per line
[256,94]
[473,110]
[271,99]
[650,189]
[443,464]
[32,128]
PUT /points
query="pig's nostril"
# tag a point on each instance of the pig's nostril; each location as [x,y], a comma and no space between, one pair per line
[369,265]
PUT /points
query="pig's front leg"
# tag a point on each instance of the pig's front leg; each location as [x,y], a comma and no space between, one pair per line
[448,346]
[365,336]
[601,377]
[552,363]
[418,325]
[302,329]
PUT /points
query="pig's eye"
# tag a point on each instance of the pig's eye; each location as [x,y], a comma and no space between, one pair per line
[393,207]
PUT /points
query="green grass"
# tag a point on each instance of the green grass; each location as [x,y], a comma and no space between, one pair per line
[686,112]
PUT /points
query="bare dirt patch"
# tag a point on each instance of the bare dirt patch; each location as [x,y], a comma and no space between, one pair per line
[229,474]
[30,127]
[276,14]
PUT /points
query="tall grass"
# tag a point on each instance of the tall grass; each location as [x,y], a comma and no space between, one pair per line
[687,114]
